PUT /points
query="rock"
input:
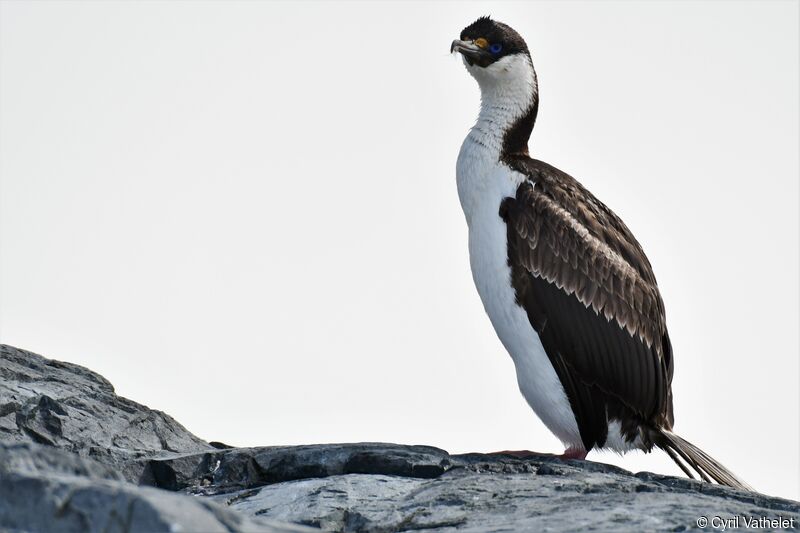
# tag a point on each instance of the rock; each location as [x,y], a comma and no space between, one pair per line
[25,458]
[56,418]
[72,408]
[50,490]
[388,487]
[241,468]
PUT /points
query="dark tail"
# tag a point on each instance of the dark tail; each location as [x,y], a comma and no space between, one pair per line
[705,465]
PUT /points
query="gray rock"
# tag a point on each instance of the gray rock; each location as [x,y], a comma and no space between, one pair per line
[239,468]
[387,488]
[55,417]
[28,459]
[70,407]
[50,490]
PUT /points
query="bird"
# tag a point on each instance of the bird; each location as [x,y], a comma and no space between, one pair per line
[567,287]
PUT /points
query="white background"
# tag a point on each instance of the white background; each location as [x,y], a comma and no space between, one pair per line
[245,214]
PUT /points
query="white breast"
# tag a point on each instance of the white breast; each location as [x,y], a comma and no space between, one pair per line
[483,183]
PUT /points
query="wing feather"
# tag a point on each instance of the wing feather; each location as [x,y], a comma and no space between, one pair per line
[591,294]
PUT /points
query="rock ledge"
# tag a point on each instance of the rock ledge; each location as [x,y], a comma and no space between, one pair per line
[76,457]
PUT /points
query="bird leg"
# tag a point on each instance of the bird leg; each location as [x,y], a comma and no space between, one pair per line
[573,453]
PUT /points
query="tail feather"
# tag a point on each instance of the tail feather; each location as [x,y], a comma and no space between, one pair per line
[706,466]
[679,462]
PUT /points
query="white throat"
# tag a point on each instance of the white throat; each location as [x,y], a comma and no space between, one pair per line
[508,88]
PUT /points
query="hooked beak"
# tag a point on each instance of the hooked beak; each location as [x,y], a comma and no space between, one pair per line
[473,54]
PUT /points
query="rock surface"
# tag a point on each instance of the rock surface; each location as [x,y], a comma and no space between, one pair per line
[75,457]
[50,490]
[389,487]
[70,407]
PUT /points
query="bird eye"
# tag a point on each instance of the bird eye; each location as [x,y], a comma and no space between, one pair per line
[495,48]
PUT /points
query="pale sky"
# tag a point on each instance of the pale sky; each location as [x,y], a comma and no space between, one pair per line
[245,214]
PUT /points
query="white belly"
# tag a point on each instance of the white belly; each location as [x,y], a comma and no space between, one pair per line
[482,185]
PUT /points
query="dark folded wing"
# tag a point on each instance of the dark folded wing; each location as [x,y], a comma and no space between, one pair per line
[590,293]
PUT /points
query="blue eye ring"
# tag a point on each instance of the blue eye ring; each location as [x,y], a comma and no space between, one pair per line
[496,48]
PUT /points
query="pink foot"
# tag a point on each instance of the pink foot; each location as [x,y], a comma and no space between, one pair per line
[574,453]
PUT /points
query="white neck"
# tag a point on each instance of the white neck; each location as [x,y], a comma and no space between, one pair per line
[508,88]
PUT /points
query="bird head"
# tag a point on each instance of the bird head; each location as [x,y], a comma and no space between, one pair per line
[494,54]
[498,58]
